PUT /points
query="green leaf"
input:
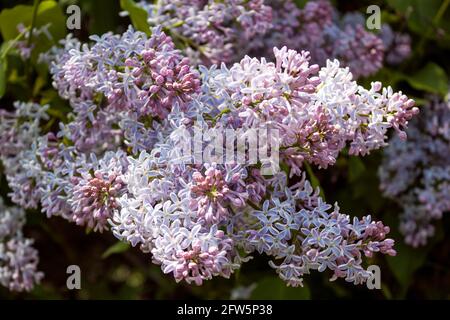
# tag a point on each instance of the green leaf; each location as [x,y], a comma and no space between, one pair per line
[315,183]
[432,78]
[421,13]
[355,168]
[38,85]
[10,18]
[137,14]
[48,12]
[3,68]
[273,288]
[421,16]
[285,168]
[406,262]
[118,247]
[300,3]
[101,20]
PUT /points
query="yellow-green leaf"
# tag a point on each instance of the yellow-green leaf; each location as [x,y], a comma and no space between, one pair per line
[137,14]
[432,78]
[48,12]
[118,247]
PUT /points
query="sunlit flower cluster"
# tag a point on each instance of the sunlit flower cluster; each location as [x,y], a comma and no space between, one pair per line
[115,164]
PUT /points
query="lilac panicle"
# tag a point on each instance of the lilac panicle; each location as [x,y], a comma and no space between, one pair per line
[318,112]
[18,258]
[416,173]
[117,78]
[19,129]
[302,233]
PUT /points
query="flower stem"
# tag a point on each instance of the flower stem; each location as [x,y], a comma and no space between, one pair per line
[33,21]
[12,43]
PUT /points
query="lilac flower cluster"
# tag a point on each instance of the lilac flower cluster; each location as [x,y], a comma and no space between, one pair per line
[200,221]
[223,31]
[19,130]
[120,77]
[199,225]
[118,162]
[316,112]
[18,258]
[74,173]
[320,29]
[41,169]
[397,45]
[210,29]
[302,233]
[416,174]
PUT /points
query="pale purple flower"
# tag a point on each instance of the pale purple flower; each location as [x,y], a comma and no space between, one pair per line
[96,192]
[320,29]
[212,191]
[416,173]
[211,30]
[320,239]
[317,112]
[18,259]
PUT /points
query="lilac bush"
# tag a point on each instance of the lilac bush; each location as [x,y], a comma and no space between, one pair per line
[117,163]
